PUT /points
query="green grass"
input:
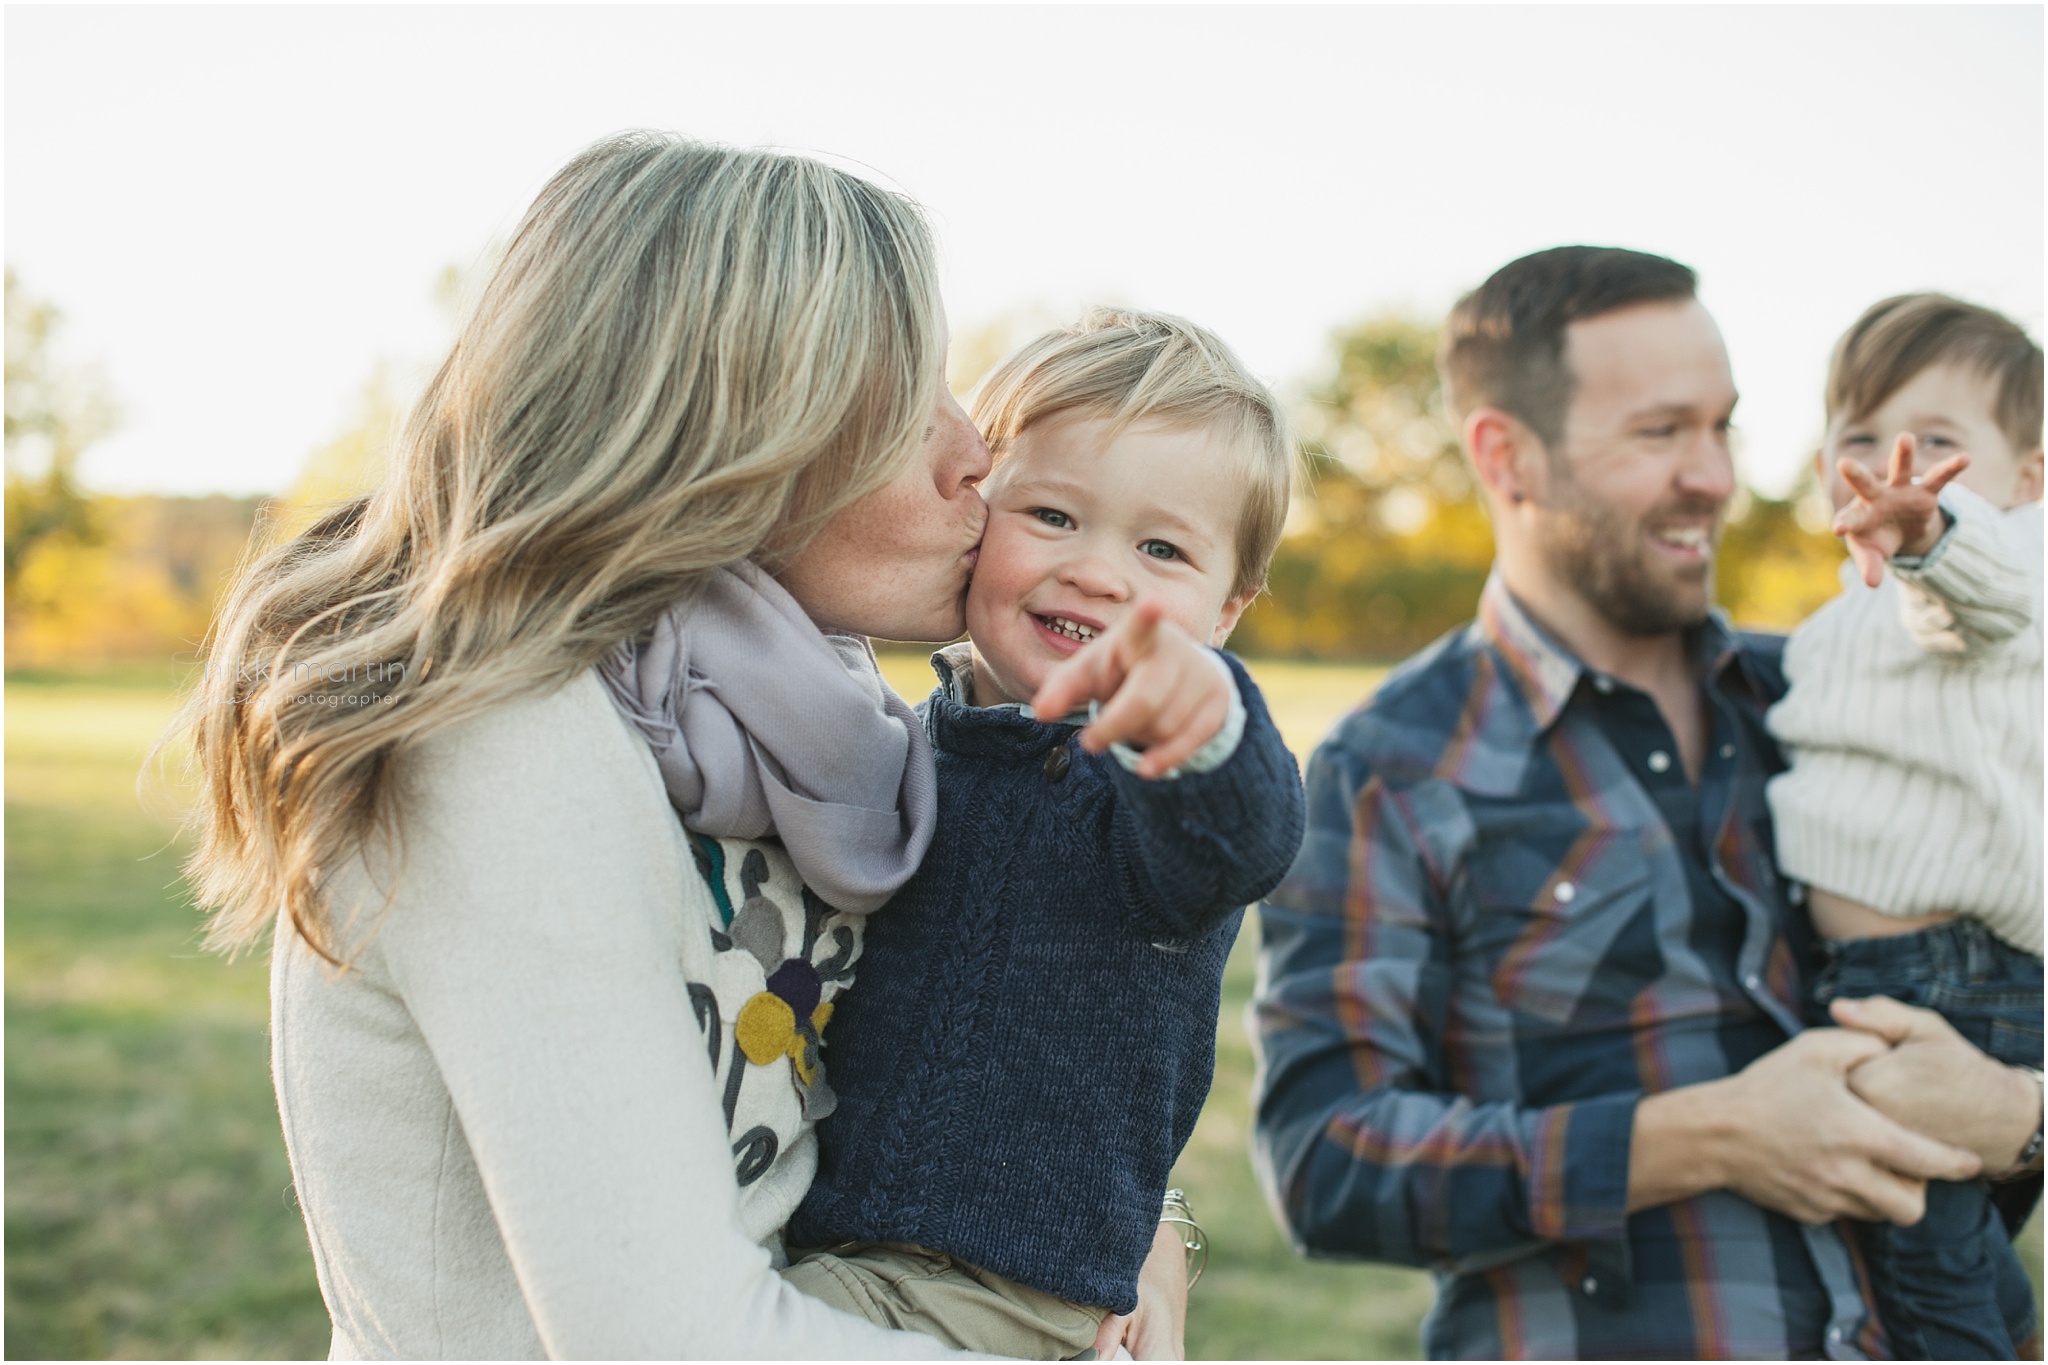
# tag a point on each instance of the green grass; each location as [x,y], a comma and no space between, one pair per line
[149,1209]
[149,1206]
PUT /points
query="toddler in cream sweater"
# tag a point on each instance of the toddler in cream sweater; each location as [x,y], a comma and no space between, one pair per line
[1913,811]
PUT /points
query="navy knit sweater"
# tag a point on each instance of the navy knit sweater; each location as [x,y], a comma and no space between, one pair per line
[1032,1030]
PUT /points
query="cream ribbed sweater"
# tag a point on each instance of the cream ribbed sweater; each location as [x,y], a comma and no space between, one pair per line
[1914,727]
[504,1124]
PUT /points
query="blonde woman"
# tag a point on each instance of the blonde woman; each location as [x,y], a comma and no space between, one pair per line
[691,445]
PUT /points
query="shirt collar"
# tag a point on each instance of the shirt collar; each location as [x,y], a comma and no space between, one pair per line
[1546,672]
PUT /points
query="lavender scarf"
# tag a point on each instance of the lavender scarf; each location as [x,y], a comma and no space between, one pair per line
[763,725]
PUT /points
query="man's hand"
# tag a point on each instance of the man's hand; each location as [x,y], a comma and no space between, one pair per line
[1935,1081]
[1157,1328]
[1785,1132]
[1897,516]
[1161,692]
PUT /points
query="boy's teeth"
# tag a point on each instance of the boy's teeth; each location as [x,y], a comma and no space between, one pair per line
[1691,537]
[1073,630]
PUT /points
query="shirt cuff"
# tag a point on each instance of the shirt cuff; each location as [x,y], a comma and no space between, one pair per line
[1578,1169]
[1211,755]
[1921,563]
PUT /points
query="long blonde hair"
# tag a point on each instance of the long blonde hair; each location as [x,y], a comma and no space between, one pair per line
[689,355]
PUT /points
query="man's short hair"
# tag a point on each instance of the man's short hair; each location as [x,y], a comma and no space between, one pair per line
[1134,366]
[1897,338]
[1503,345]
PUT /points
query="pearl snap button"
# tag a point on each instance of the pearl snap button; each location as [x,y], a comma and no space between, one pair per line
[1565,893]
[1602,683]
[1727,751]
[1590,1285]
[1659,761]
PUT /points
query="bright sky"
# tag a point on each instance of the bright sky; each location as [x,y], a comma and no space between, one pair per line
[240,210]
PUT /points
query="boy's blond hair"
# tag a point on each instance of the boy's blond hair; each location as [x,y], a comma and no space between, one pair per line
[1135,367]
[1897,338]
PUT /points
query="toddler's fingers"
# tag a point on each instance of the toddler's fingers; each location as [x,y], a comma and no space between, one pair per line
[1131,716]
[1178,710]
[1140,630]
[1860,480]
[1185,738]
[1869,559]
[1937,478]
[1900,473]
[1089,675]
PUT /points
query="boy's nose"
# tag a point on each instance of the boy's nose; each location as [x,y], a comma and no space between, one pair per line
[1093,576]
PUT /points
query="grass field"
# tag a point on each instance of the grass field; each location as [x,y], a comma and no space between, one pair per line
[149,1206]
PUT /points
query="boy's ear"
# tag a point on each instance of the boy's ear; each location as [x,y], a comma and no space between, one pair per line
[2029,488]
[1232,609]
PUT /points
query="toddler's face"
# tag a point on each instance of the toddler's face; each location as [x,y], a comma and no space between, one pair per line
[1082,524]
[1949,410]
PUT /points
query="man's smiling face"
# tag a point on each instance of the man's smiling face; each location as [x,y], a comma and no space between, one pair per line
[1632,507]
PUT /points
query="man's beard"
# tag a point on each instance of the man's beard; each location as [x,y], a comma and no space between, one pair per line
[1606,557]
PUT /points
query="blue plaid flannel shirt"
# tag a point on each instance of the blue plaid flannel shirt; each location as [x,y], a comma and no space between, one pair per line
[1485,954]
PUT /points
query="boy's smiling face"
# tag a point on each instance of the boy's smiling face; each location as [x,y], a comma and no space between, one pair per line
[1083,522]
[1950,410]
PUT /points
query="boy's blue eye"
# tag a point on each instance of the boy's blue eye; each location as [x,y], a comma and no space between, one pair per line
[1052,516]
[1159,549]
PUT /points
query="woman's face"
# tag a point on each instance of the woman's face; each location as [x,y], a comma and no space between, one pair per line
[896,563]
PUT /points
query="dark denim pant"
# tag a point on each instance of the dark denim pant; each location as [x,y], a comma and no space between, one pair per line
[1950,1287]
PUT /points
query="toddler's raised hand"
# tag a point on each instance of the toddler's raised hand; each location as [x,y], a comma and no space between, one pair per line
[1900,514]
[1160,691]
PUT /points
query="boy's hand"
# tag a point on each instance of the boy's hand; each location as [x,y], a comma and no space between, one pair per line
[1897,516]
[1160,691]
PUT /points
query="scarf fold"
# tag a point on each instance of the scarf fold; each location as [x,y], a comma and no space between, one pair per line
[763,725]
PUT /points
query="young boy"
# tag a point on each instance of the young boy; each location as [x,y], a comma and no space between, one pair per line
[1912,811]
[1032,1032]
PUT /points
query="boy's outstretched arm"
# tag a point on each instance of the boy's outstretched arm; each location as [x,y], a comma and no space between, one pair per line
[1187,851]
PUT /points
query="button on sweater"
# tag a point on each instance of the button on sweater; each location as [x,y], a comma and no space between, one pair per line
[1032,1030]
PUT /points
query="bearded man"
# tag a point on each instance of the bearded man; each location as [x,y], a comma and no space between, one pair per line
[1531,1007]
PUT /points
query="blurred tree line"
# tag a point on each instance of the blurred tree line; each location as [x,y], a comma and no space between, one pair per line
[1389,544]
[1386,548]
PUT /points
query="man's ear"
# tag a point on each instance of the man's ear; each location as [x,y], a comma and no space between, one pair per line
[1232,609]
[1501,447]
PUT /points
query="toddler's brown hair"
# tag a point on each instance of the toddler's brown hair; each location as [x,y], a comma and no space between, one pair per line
[1898,337]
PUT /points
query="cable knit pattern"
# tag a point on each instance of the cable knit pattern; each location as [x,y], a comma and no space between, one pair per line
[1914,727]
[1034,1027]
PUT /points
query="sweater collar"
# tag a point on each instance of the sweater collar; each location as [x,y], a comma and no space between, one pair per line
[1002,732]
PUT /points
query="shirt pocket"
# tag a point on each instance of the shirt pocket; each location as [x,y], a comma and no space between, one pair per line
[1566,938]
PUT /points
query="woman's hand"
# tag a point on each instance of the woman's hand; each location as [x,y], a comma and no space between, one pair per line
[1160,691]
[1935,1081]
[1898,516]
[1157,1328]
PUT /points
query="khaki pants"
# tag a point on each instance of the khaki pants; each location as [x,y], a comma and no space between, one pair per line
[895,1284]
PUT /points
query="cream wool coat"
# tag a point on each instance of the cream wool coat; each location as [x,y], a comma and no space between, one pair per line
[508,1121]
